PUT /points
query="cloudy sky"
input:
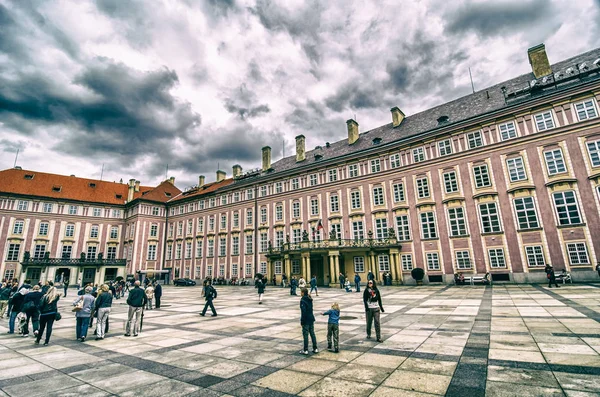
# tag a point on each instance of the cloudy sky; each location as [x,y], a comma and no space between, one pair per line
[201,84]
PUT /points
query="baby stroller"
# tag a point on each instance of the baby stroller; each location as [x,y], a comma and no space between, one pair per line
[21,323]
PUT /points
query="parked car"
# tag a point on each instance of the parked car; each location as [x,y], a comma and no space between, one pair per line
[184,282]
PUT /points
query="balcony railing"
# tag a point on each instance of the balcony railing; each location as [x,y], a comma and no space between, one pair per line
[73,262]
[316,245]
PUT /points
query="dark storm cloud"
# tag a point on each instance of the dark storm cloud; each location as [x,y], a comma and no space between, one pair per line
[125,111]
[11,146]
[310,119]
[355,95]
[489,18]
[244,103]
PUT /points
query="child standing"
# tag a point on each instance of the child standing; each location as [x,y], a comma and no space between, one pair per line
[333,327]
[307,320]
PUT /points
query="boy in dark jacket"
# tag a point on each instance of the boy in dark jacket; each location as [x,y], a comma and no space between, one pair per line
[307,320]
[209,294]
[293,285]
[260,284]
[157,295]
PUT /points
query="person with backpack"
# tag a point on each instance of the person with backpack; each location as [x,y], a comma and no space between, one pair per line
[313,285]
[210,293]
[260,284]
[307,320]
[357,282]
[136,301]
[48,314]
[30,308]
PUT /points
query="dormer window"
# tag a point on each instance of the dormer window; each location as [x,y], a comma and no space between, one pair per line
[92,185]
[119,196]
[318,157]
[28,176]
[376,141]
[56,188]
[442,120]
[167,194]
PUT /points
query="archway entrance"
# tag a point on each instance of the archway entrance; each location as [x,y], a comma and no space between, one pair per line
[62,274]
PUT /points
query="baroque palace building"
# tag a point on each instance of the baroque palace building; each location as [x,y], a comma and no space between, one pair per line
[504,181]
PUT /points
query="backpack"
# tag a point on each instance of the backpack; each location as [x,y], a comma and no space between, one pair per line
[214,292]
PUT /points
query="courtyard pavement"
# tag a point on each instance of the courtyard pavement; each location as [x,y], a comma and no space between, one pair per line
[505,340]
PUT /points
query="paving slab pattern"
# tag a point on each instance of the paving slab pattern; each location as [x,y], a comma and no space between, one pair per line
[505,340]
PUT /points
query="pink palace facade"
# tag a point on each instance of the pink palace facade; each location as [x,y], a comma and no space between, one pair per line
[503,181]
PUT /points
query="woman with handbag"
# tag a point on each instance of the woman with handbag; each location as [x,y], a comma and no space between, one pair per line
[83,310]
[48,313]
[30,308]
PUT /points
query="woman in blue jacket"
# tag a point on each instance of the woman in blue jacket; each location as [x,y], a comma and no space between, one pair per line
[307,320]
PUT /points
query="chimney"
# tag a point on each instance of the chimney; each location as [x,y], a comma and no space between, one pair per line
[172,180]
[130,190]
[237,171]
[221,175]
[137,186]
[300,150]
[352,131]
[201,180]
[397,116]
[266,158]
[538,59]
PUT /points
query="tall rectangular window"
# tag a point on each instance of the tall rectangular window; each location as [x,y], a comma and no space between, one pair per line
[422,187]
[236,219]
[279,238]
[295,266]
[594,152]
[384,263]
[398,192]
[236,197]
[578,254]
[433,261]
[450,182]
[332,175]
[418,155]
[94,231]
[248,269]
[211,248]
[13,252]
[43,231]
[180,227]
[234,270]
[169,251]
[337,230]
[153,230]
[67,251]
[91,252]
[526,213]
[190,226]
[490,218]
[474,139]
[482,176]
[178,251]
[199,248]
[222,246]
[296,235]
[496,256]
[358,231]
[395,161]
[264,242]
[378,198]
[18,227]
[463,260]
[456,219]
[295,184]
[544,121]
[586,110]
[249,244]
[223,222]
[359,264]
[516,169]
[263,191]
[314,207]
[402,228]
[263,214]
[428,225]
[313,180]
[535,256]
[278,187]
[334,203]
[296,209]
[111,252]
[249,217]
[407,262]
[507,130]
[249,194]
[279,212]
[69,230]
[235,245]
[566,208]
[375,166]
[445,147]
[355,199]
[353,170]
[200,225]
[555,162]
[152,252]
[114,232]
[381,228]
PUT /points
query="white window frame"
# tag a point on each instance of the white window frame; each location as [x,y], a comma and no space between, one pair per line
[403,227]
[450,182]
[593,148]
[18,227]
[378,196]
[433,260]
[491,221]
[407,262]
[463,259]
[334,203]
[526,213]
[395,161]
[555,162]
[359,264]
[418,154]
[497,258]
[578,253]
[475,139]
[296,209]
[383,262]
[313,180]
[569,205]
[332,175]
[457,222]
[544,121]
[423,187]
[399,194]
[355,200]
[375,166]
[445,147]
[586,110]
[507,130]
[428,225]
[353,170]
[516,169]
[535,256]
[481,173]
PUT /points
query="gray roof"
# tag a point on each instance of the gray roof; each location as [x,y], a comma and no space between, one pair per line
[458,110]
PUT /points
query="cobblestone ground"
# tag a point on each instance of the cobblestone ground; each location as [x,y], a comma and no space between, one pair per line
[513,340]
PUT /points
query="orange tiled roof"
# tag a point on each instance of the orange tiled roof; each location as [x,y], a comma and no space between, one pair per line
[163,192]
[40,184]
[208,188]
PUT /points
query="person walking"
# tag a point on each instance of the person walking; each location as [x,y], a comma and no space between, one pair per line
[210,293]
[313,285]
[357,282]
[149,296]
[157,295]
[17,304]
[342,280]
[86,301]
[333,328]
[307,320]
[260,284]
[30,308]
[48,314]
[370,276]
[136,301]
[13,290]
[102,307]
[373,308]
[65,286]
[551,276]
[283,280]
[4,295]
[293,285]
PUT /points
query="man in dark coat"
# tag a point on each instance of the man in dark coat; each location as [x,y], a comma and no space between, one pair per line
[209,294]
[157,295]
[551,276]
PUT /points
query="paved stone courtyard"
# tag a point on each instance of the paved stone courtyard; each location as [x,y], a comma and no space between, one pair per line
[506,340]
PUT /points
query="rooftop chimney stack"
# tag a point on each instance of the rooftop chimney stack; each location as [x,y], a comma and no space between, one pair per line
[538,59]
[201,180]
[130,190]
[237,171]
[397,116]
[172,180]
[352,131]
[300,148]
[266,158]
[137,186]
[221,175]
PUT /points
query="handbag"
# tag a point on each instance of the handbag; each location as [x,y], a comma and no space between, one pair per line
[57,316]
[78,306]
